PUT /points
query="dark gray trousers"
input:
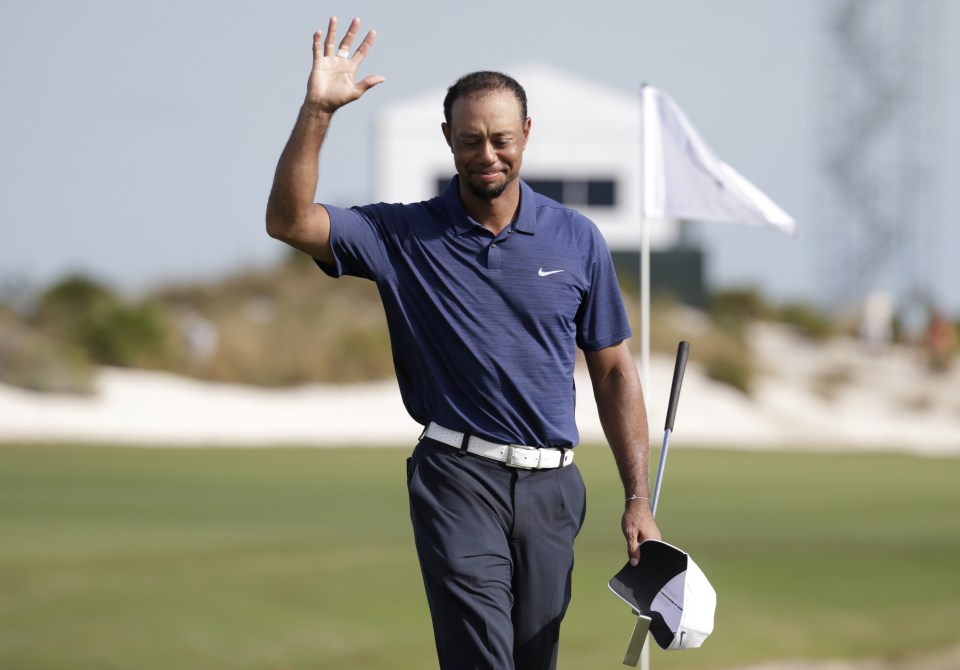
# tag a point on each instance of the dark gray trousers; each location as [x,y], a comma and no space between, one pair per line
[496,551]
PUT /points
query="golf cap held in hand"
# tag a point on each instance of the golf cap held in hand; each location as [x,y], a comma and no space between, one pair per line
[667,586]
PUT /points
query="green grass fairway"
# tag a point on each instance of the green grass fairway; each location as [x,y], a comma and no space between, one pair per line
[269,559]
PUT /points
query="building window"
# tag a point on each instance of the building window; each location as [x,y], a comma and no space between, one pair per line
[569,191]
[601,193]
[552,188]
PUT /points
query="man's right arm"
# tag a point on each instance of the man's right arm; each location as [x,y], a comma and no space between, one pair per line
[292,216]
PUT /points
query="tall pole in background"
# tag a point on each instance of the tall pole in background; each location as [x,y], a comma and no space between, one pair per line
[646,186]
[649,128]
[877,143]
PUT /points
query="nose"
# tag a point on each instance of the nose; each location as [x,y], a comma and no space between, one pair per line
[487,154]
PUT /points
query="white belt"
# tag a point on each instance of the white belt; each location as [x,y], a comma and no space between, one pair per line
[513,455]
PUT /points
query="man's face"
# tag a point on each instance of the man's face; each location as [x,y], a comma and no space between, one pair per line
[487,136]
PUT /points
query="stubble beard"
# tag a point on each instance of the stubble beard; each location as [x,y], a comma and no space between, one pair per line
[488,193]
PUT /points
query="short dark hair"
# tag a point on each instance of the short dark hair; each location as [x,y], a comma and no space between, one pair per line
[484,81]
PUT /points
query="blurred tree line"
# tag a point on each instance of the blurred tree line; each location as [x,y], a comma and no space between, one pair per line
[280,326]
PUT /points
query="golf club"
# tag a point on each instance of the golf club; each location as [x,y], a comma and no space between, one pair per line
[683,352]
[637,648]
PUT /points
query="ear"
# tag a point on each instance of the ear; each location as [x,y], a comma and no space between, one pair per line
[446,134]
[526,130]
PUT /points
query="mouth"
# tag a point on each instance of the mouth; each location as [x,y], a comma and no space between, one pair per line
[487,175]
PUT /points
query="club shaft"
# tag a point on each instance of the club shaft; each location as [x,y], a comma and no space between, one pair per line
[683,352]
[660,471]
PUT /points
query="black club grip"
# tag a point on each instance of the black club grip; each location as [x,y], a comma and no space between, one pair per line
[683,351]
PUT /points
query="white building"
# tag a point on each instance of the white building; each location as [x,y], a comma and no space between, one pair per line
[584,150]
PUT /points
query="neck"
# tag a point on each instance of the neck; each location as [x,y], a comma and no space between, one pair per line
[496,214]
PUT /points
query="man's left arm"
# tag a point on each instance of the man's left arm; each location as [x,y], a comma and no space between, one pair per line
[623,415]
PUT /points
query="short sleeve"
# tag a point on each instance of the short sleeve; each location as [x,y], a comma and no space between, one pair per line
[358,239]
[601,320]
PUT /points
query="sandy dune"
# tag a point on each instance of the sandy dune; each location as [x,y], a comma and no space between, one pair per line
[814,396]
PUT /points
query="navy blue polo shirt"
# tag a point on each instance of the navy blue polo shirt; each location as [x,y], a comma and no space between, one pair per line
[484,328]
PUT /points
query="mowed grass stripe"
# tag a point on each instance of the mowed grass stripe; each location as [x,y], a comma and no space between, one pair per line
[300,558]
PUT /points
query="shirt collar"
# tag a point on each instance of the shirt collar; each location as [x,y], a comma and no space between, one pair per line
[527,217]
[461,223]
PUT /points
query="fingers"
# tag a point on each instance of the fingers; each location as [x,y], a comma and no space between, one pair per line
[331,37]
[633,551]
[638,525]
[364,47]
[327,50]
[331,84]
[633,547]
[317,45]
[632,535]
[347,41]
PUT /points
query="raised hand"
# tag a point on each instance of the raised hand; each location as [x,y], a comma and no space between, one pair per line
[332,82]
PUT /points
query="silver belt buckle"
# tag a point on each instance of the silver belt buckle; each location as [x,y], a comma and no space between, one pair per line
[520,456]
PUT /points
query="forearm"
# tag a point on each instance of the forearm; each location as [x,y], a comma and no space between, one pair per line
[624,420]
[616,386]
[295,181]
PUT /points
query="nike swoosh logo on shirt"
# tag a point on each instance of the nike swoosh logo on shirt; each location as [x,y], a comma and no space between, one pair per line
[547,273]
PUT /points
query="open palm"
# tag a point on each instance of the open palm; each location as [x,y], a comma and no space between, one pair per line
[333,82]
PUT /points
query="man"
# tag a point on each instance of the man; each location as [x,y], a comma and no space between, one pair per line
[488,290]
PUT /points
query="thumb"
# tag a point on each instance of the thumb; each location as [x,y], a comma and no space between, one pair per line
[367,83]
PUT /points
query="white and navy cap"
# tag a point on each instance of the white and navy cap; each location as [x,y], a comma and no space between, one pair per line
[669,588]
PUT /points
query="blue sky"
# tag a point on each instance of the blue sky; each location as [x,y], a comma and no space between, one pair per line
[138,140]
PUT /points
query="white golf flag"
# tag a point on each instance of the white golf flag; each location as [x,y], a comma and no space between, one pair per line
[684,179]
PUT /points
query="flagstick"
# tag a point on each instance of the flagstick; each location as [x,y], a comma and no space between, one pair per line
[648,193]
[647,190]
[645,306]
[645,364]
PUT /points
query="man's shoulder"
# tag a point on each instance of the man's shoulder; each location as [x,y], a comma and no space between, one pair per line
[549,207]
[550,212]
[393,214]
[398,207]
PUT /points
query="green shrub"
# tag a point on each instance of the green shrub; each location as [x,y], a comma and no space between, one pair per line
[733,310]
[69,308]
[31,360]
[81,313]
[731,366]
[127,336]
[806,320]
